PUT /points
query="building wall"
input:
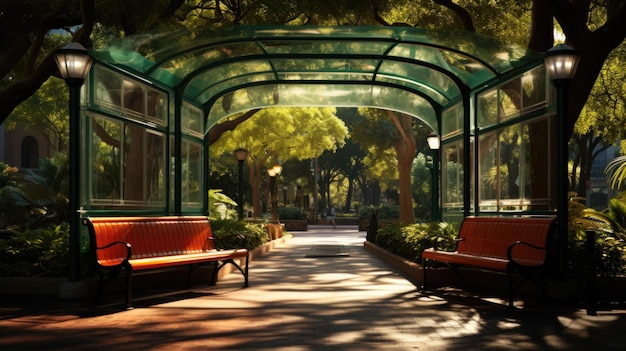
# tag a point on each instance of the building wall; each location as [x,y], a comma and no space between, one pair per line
[599,191]
[14,147]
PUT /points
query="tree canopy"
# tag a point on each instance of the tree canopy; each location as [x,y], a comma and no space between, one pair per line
[280,134]
[34,29]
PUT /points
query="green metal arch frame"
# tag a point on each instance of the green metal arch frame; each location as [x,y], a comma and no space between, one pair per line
[152,67]
[153,64]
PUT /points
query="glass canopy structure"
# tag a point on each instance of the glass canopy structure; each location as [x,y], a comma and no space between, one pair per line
[152,99]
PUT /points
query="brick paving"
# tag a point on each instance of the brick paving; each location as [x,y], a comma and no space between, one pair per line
[349,301]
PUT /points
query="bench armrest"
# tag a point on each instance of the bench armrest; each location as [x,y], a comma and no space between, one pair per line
[509,251]
[128,248]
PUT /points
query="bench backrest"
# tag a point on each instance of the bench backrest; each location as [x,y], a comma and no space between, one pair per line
[149,236]
[491,237]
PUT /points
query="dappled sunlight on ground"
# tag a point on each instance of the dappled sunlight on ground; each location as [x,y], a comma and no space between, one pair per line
[353,302]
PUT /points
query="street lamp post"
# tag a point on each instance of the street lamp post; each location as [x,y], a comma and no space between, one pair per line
[274,172]
[74,64]
[241,154]
[561,62]
[434,143]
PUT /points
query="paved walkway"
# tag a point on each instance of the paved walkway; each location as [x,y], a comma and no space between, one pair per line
[338,300]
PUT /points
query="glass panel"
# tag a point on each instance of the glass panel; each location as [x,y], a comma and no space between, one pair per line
[143,171]
[105,159]
[514,176]
[489,170]
[534,88]
[509,164]
[540,164]
[510,99]
[133,97]
[191,174]
[487,109]
[114,93]
[181,65]
[452,121]
[108,86]
[133,165]
[428,80]
[155,170]
[208,92]
[232,70]
[157,105]
[192,119]
[323,95]
[327,46]
[452,172]
[325,65]
[127,165]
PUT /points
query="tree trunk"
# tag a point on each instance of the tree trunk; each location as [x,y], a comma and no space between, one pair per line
[405,148]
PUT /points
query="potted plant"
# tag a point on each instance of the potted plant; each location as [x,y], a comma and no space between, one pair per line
[294,218]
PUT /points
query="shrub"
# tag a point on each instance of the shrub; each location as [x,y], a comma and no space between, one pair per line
[409,241]
[37,253]
[610,229]
[383,212]
[32,199]
[291,212]
[226,231]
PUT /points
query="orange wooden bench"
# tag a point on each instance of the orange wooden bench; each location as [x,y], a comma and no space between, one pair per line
[135,245]
[505,244]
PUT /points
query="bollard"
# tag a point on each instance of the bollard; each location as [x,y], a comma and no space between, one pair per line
[591,273]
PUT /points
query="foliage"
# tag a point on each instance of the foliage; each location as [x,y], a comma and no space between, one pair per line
[291,212]
[226,234]
[409,241]
[34,198]
[422,187]
[46,112]
[610,229]
[36,253]
[218,205]
[616,170]
[283,134]
[383,212]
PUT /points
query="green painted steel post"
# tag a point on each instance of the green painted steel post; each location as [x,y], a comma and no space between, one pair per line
[561,174]
[74,177]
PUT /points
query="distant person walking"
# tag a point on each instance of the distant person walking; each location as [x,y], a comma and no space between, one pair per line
[330,216]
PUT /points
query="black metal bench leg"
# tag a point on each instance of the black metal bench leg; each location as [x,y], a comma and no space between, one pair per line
[99,289]
[424,269]
[245,274]
[511,290]
[129,290]
[216,269]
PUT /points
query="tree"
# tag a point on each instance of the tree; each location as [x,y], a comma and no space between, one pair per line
[596,128]
[46,112]
[595,29]
[280,134]
[387,129]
